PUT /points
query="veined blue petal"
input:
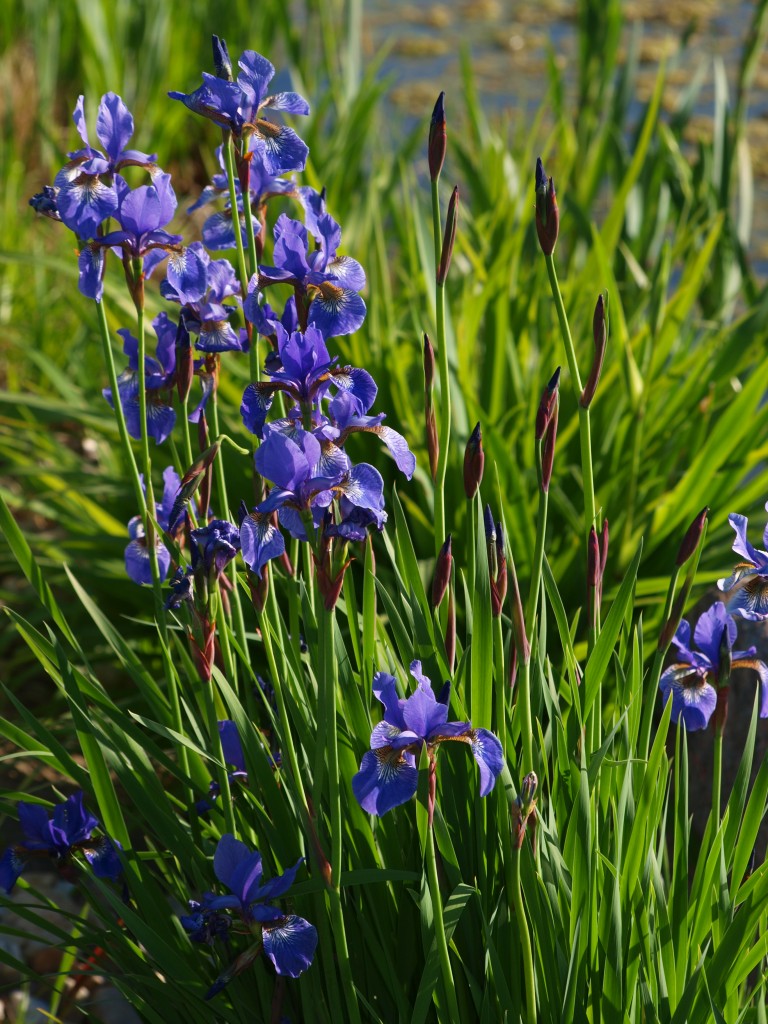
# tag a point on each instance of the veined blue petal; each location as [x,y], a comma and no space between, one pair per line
[187,273]
[693,698]
[104,858]
[260,541]
[386,779]
[487,751]
[90,264]
[283,149]
[290,945]
[337,311]
[749,599]
[84,203]
[218,336]
[11,867]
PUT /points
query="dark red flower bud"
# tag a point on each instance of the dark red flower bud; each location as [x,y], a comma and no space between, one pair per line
[600,336]
[546,405]
[692,537]
[547,213]
[442,575]
[438,138]
[548,453]
[449,237]
[474,462]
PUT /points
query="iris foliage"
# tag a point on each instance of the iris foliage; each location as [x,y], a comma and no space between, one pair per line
[260,839]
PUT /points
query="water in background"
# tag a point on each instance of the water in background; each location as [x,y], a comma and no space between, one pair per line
[509,43]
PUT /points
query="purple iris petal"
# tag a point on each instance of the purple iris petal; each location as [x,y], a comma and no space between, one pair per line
[384,688]
[693,699]
[741,545]
[337,311]
[84,203]
[215,99]
[90,265]
[709,631]
[487,751]
[234,864]
[188,273]
[219,231]
[290,945]
[231,746]
[36,824]
[138,565]
[260,540]
[280,884]
[114,125]
[104,858]
[750,600]
[422,713]
[386,779]
[11,867]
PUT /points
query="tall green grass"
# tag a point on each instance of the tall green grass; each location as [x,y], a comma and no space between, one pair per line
[628,918]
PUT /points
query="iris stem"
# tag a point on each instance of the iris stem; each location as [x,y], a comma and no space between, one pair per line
[524,715]
[649,700]
[525,939]
[538,551]
[717,778]
[330,739]
[168,669]
[440,938]
[585,430]
[214,737]
[444,429]
[186,438]
[118,405]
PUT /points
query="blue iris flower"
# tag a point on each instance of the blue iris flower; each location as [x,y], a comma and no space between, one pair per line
[160,374]
[326,284]
[388,775]
[289,941]
[746,589]
[691,682]
[69,829]
[240,107]
[137,561]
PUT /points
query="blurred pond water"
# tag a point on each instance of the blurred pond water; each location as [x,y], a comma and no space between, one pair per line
[510,42]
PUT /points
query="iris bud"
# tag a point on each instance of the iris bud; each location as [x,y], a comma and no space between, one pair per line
[547,212]
[437,139]
[474,462]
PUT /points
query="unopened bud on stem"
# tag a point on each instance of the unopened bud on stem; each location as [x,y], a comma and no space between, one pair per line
[449,237]
[547,213]
[600,336]
[692,537]
[438,138]
[474,462]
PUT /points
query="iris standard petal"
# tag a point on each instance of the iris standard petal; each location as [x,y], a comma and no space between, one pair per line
[709,631]
[230,853]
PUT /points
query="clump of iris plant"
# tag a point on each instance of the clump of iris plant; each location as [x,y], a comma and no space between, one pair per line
[746,589]
[248,909]
[693,683]
[67,831]
[388,775]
